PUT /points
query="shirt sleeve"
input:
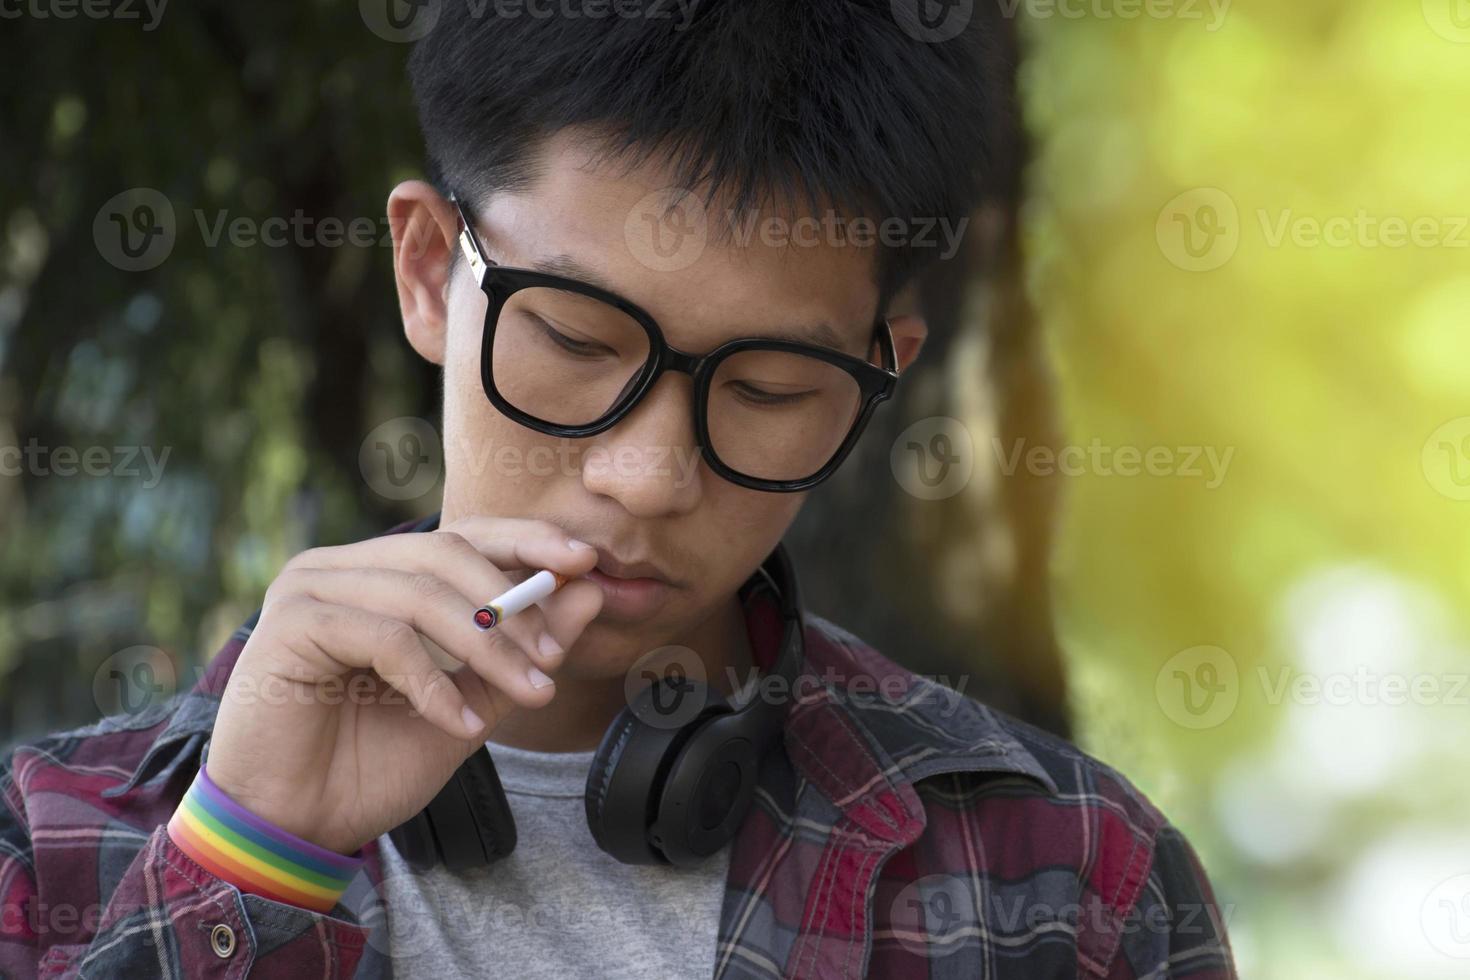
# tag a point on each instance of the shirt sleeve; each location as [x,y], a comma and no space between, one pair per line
[1176,929]
[167,915]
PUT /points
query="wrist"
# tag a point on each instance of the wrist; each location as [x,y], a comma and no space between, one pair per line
[254,854]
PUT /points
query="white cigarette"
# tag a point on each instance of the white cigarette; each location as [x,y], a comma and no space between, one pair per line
[518,597]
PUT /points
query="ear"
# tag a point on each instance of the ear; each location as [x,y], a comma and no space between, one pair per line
[909,331]
[425,230]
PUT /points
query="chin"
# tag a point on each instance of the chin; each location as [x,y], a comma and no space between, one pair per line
[606,651]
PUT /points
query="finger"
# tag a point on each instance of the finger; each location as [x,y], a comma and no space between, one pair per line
[570,609]
[431,604]
[436,611]
[393,650]
[507,543]
[526,543]
[457,559]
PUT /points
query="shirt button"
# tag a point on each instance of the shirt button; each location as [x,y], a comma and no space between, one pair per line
[222,941]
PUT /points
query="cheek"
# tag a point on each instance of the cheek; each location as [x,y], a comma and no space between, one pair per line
[742,527]
[488,459]
[468,414]
[466,314]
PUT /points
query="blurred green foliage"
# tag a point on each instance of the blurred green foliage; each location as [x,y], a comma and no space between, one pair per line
[1314,323]
[256,368]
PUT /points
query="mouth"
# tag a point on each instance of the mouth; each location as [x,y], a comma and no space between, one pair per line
[614,568]
[631,591]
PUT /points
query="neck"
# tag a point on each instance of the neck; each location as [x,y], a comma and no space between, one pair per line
[584,707]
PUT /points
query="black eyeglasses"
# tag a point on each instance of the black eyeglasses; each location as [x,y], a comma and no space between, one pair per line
[567,358]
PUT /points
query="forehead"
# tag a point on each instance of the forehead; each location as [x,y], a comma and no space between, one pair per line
[704,273]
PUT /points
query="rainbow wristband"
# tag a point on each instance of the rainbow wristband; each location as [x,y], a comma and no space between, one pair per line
[253,854]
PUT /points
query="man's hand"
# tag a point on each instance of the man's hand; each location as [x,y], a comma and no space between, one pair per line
[365,683]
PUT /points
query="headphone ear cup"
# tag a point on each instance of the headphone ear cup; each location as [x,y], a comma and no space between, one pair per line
[468,823]
[604,761]
[629,768]
[414,839]
[708,791]
[492,823]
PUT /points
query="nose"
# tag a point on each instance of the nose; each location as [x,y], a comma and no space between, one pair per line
[649,462]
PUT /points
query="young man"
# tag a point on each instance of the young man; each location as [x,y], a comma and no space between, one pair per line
[581,237]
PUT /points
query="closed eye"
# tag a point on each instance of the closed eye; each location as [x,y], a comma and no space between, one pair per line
[756,396]
[579,347]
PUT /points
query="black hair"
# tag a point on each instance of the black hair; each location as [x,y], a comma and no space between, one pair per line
[828,104]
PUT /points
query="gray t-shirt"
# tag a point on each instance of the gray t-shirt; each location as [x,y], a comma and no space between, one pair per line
[558,906]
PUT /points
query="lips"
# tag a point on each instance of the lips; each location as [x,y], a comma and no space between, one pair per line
[631,590]
[613,568]
[633,598]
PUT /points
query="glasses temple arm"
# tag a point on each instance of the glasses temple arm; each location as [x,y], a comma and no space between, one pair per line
[469,244]
[883,337]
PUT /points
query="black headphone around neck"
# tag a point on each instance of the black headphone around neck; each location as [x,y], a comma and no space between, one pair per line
[657,793]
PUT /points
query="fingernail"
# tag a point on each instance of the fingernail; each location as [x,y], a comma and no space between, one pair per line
[576,545]
[548,645]
[538,679]
[472,721]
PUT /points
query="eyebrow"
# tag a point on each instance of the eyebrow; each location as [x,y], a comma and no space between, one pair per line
[820,333]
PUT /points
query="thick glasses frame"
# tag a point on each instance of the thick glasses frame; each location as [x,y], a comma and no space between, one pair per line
[498,283]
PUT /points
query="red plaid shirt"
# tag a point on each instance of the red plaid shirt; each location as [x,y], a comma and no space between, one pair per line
[901,831]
